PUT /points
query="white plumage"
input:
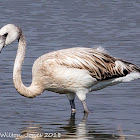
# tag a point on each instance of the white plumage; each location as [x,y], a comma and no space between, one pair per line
[74,71]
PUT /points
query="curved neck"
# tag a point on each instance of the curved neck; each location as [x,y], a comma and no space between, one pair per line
[33,89]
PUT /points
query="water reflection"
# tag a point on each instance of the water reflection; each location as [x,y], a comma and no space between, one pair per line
[76,132]
[71,131]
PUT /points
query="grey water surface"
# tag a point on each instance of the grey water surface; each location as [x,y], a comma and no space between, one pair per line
[51,25]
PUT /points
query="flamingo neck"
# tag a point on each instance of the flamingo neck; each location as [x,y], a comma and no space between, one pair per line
[33,89]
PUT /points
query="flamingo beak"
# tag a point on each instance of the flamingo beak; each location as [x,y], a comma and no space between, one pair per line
[1,46]
[2,43]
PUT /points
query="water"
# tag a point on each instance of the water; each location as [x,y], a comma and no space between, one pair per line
[52,25]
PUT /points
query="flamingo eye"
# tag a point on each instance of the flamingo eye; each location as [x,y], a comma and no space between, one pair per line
[5,35]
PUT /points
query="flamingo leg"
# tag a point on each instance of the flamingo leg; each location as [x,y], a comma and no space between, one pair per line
[85,106]
[71,97]
[72,103]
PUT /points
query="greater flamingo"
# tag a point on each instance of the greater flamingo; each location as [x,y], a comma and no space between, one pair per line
[74,71]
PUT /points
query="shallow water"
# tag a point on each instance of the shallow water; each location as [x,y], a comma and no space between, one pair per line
[52,25]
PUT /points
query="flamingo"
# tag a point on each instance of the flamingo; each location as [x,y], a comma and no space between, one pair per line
[72,71]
